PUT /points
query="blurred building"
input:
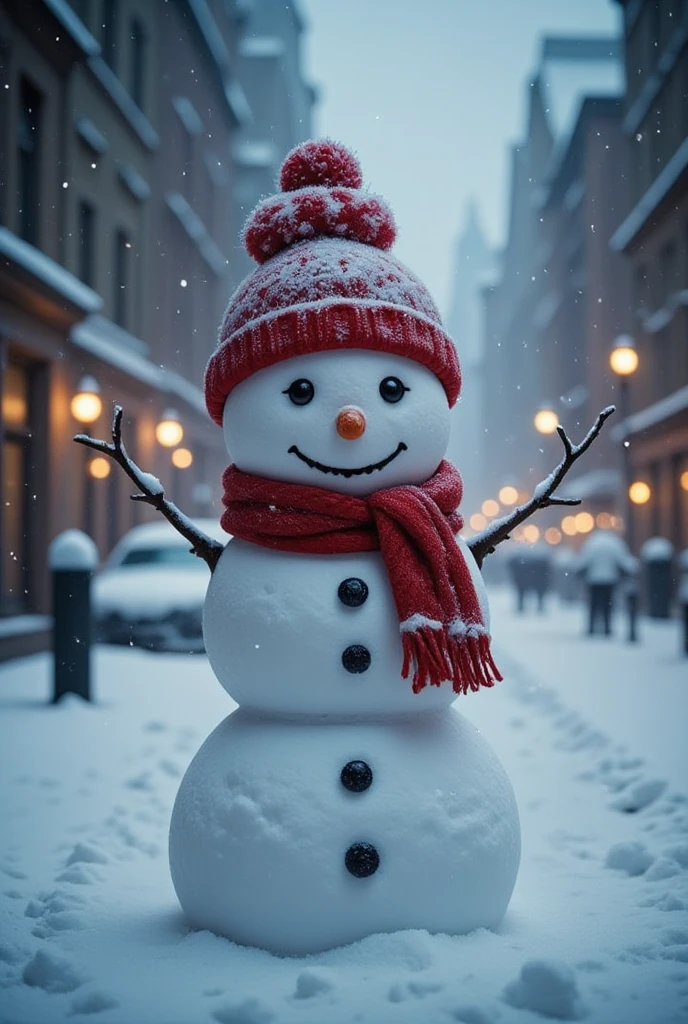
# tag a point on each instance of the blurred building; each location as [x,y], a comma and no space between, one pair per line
[474,267]
[122,186]
[654,239]
[561,297]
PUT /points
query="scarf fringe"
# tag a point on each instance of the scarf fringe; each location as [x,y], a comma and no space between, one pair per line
[436,656]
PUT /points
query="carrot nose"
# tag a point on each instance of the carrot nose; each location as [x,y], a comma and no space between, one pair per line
[351,423]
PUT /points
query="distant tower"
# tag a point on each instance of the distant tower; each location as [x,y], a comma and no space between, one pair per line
[474,266]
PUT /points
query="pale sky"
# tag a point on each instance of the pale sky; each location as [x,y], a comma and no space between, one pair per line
[430,95]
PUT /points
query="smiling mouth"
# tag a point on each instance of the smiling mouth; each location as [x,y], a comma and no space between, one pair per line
[336,471]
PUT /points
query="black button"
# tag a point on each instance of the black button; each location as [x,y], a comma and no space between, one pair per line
[356,776]
[353,592]
[356,658]
[362,860]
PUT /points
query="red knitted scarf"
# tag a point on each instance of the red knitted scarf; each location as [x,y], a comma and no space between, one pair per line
[442,629]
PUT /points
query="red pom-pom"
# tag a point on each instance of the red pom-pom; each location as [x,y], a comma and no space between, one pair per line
[317,212]
[320,163]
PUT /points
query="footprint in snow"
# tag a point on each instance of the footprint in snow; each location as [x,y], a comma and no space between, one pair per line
[248,1011]
[52,973]
[639,796]
[93,1002]
[547,987]
[314,981]
[632,858]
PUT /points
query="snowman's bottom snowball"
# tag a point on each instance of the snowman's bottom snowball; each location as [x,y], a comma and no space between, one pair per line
[262,823]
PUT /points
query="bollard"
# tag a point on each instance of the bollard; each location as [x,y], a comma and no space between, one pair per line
[656,555]
[683,595]
[72,557]
[630,587]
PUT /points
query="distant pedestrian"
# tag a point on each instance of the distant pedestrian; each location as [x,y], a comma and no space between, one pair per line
[603,562]
[529,568]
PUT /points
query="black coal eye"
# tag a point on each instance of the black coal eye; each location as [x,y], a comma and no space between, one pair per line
[300,391]
[392,389]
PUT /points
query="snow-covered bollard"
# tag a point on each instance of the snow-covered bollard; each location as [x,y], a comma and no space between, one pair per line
[656,555]
[683,595]
[72,557]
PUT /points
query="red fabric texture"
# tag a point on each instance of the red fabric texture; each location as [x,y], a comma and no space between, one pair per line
[315,212]
[322,327]
[443,634]
[325,280]
[321,162]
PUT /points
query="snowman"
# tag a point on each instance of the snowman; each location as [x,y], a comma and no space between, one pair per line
[346,795]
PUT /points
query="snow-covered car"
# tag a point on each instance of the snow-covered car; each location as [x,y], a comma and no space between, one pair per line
[151,590]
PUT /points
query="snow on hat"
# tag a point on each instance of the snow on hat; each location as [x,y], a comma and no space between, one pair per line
[325,280]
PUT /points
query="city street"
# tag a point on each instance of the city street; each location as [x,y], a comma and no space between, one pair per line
[591,733]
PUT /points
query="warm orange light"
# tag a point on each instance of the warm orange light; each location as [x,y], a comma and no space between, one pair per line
[684,479]
[508,495]
[14,410]
[490,507]
[605,521]
[531,533]
[169,430]
[182,458]
[639,492]
[552,535]
[86,406]
[623,358]
[584,522]
[568,526]
[546,421]
[477,522]
[99,468]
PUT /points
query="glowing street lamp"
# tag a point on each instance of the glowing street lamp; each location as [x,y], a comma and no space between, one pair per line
[508,495]
[182,458]
[86,405]
[623,358]
[99,468]
[568,526]
[169,430]
[639,492]
[546,420]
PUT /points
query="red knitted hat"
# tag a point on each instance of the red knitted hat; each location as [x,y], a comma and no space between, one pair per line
[325,280]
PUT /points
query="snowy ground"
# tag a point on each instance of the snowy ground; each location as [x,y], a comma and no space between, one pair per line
[592,733]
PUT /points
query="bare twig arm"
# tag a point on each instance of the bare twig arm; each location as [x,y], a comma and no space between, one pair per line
[152,492]
[483,544]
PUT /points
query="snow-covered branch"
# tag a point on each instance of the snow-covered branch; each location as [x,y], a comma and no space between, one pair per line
[152,492]
[483,544]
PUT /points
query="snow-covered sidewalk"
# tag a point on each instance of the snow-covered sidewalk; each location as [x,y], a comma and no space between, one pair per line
[591,734]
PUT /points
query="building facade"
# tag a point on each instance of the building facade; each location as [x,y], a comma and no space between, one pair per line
[653,238]
[474,267]
[118,224]
[560,298]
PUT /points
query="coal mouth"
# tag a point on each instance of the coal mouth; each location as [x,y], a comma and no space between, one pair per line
[336,471]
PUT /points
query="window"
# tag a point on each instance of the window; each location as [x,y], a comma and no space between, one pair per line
[16,441]
[138,62]
[87,243]
[120,304]
[110,32]
[29,155]
[668,269]
[640,288]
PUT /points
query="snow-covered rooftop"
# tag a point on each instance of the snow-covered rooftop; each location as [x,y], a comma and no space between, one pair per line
[572,69]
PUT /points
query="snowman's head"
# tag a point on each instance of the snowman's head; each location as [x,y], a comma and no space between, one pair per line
[355,421]
[333,367]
